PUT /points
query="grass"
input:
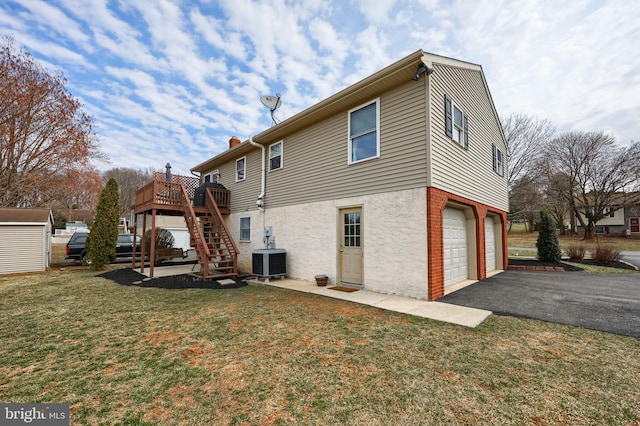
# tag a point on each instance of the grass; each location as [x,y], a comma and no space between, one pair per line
[517,237]
[258,355]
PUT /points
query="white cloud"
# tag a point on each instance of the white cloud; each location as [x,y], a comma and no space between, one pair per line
[376,11]
[172,81]
[53,19]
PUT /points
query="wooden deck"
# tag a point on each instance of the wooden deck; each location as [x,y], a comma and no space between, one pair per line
[202,207]
[167,197]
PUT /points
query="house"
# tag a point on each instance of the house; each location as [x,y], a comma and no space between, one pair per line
[618,221]
[621,216]
[395,184]
[26,240]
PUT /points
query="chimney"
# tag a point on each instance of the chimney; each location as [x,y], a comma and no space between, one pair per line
[234,141]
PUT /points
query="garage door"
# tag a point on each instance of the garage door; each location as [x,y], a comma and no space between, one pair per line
[455,246]
[490,243]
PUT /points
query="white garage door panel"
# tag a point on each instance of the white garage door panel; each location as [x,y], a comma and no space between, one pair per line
[490,244]
[455,246]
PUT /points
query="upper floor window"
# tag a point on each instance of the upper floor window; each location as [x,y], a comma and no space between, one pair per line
[214,176]
[364,132]
[456,123]
[498,161]
[275,156]
[241,166]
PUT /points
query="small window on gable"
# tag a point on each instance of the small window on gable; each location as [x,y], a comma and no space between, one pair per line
[498,161]
[241,167]
[275,156]
[245,229]
[364,132]
[456,123]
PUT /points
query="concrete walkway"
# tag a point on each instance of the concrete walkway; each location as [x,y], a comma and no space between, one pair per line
[460,315]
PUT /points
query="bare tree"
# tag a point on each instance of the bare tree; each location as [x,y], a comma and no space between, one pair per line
[526,139]
[598,173]
[525,202]
[43,131]
[554,202]
[129,181]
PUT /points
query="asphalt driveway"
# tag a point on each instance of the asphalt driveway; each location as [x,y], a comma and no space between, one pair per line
[604,302]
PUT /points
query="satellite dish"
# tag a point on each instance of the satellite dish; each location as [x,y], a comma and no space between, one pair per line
[273,103]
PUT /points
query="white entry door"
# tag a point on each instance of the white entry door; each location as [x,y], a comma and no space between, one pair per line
[455,246]
[490,244]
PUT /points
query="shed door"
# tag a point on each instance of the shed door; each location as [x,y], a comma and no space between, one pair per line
[490,244]
[455,246]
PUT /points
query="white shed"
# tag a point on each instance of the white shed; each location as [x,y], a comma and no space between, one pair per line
[25,236]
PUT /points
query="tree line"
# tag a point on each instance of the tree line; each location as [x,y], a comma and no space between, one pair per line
[580,176]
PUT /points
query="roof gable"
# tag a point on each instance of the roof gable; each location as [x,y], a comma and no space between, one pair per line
[373,86]
[24,215]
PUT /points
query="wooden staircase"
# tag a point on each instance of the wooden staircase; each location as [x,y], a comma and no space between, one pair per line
[216,251]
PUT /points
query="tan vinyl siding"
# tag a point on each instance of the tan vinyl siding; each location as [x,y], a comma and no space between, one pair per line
[244,194]
[22,249]
[315,158]
[468,173]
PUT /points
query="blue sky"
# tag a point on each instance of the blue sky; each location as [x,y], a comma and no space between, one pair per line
[172,81]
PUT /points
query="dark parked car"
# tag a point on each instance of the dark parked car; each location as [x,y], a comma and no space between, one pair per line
[124,247]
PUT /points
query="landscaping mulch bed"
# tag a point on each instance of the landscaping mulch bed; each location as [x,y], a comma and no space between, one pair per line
[129,277]
[536,265]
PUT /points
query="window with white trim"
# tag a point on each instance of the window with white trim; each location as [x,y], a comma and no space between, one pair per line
[245,229]
[498,161]
[364,132]
[456,123]
[275,156]
[214,176]
[241,168]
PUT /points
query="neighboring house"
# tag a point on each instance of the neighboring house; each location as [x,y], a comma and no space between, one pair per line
[620,218]
[396,184]
[26,240]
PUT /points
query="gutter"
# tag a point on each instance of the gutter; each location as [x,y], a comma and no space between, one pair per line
[263,177]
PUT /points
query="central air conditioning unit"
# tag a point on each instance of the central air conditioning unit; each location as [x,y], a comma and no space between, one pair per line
[269,263]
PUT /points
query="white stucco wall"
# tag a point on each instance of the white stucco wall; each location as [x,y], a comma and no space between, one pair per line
[395,239]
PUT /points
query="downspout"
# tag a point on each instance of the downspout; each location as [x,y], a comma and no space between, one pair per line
[260,201]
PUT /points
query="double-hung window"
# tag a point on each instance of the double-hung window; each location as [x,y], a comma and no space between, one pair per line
[241,168]
[245,229]
[498,161]
[364,132]
[456,123]
[275,156]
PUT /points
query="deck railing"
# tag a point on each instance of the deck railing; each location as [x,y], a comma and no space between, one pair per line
[162,193]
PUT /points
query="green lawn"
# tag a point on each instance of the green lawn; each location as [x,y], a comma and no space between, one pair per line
[258,355]
[517,237]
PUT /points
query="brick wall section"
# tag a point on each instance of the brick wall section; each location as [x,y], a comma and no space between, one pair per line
[437,200]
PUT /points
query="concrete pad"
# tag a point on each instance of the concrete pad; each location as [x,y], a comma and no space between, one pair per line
[168,271]
[468,317]
[226,282]
[297,285]
[460,315]
[401,304]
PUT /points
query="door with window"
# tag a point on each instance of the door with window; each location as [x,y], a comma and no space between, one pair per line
[634,224]
[351,241]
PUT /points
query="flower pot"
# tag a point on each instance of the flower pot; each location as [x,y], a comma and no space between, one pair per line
[321,280]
